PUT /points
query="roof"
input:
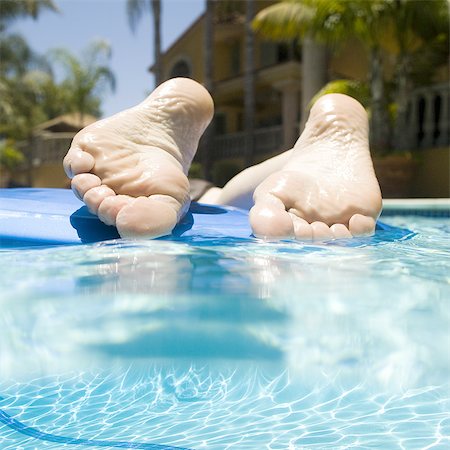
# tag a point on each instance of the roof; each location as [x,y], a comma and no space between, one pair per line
[66,122]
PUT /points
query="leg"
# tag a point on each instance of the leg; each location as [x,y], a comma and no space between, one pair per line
[327,189]
[239,190]
[130,169]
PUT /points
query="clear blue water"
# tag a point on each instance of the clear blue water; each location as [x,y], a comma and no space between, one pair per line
[252,346]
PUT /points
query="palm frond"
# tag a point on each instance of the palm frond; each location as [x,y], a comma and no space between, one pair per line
[284,20]
[135,10]
[105,74]
[99,51]
[356,89]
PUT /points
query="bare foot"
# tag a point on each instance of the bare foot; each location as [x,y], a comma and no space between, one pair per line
[328,188]
[130,169]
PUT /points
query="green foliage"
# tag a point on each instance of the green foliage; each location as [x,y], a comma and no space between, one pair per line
[224,170]
[10,156]
[356,89]
[325,20]
[30,94]
[12,10]
[414,33]
[19,107]
[196,170]
[86,78]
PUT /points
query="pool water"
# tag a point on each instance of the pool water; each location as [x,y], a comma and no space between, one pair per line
[251,345]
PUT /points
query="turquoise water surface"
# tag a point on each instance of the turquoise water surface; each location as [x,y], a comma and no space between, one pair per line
[228,345]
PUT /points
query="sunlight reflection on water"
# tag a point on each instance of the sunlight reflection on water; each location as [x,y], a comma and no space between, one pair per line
[230,346]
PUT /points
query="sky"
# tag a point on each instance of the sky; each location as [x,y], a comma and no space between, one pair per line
[81,21]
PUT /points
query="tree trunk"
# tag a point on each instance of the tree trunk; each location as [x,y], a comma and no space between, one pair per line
[314,73]
[249,84]
[156,10]
[379,122]
[208,61]
[208,45]
[401,134]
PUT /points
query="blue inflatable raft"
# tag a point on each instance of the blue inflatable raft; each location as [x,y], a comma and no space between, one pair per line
[44,217]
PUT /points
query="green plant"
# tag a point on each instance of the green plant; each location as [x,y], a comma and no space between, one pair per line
[226,169]
[10,157]
[356,89]
[196,170]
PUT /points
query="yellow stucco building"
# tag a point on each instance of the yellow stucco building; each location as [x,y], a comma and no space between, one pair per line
[279,109]
[278,97]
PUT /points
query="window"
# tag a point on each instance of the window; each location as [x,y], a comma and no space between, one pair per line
[220,124]
[235,59]
[272,53]
[268,53]
[180,69]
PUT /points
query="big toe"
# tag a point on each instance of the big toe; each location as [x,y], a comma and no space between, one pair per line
[360,225]
[148,217]
[270,220]
[77,161]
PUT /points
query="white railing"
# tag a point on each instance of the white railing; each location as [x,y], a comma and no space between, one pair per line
[50,148]
[229,145]
[268,140]
[428,117]
[233,145]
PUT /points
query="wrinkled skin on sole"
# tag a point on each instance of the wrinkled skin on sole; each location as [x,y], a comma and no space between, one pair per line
[327,189]
[131,169]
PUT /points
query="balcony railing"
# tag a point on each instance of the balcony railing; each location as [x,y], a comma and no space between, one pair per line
[47,148]
[428,126]
[428,117]
[233,145]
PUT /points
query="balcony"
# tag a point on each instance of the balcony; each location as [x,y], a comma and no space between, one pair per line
[428,117]
[267,140]
[50,148]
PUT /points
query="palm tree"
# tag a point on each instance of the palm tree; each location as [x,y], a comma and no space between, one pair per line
[21,93]
[208,60]
[420,30]
[405,25]
[370,23]
[19,108]
[17,57]
[249,83]
[208,45]
[86,78]
[135,10]
[301,20]
[332,22]
[14,9]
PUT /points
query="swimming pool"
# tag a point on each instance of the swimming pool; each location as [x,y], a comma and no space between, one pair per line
[249,345]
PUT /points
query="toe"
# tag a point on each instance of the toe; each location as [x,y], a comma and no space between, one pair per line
[321,231]
[95,196]
[360,225]
[77,161]
[110,207]
[83,183]
[302,228]
[147,217]
[270,220]
[340,231]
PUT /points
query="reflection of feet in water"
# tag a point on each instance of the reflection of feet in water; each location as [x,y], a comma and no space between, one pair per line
[130,169]
[327,189]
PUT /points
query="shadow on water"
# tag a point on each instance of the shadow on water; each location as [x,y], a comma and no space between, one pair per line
[183,342]
[192,305]
[90,229]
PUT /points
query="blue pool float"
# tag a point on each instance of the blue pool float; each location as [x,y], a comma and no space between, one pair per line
[45,217]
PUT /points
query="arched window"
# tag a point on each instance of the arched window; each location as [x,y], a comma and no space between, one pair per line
[180,69]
